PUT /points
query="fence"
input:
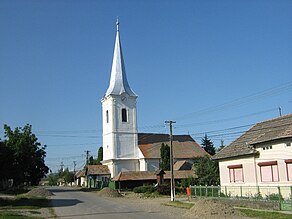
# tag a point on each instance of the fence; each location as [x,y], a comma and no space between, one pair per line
[282,195]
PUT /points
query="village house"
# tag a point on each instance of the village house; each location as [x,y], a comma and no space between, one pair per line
[261,159]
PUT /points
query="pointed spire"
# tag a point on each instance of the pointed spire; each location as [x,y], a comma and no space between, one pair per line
[118,82]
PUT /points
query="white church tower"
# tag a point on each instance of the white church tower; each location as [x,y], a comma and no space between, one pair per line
[119,116]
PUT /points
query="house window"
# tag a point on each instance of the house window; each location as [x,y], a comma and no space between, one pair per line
[124,115]
[289,169]
[107,119]
[235,173]
[269,171]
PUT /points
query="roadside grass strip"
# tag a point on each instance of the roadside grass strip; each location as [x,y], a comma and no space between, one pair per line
[264,214]
[179,204]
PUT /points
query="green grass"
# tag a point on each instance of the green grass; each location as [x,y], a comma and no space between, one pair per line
[179,204]
[265,214]
[12,208]
[15,215]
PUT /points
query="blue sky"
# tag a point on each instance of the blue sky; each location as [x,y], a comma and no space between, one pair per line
[214,67]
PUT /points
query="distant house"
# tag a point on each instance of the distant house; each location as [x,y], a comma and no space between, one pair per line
[132,179]
[262,156]
[97,176]
[80,179]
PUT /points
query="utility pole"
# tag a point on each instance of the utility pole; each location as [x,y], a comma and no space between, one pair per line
[62,167]
[74,163]
[87,156]
[172,185]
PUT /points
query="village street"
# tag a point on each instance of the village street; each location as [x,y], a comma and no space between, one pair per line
[72,203]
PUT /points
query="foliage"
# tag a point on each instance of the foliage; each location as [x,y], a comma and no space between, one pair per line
[163,189]
[208,145]
[66,175]
[207,171]
[165,157]
[253,213]
[144,189]
[93,161]
[27,165]
[53,179]
[100,155]
[6,162]
[187,182]
[274,196]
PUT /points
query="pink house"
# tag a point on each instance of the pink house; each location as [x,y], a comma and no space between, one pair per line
[261,157]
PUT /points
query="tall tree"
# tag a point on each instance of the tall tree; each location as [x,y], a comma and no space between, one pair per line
[208,145]
[207,171]
[28,155]
[6,164]
[165,157]
[100,155]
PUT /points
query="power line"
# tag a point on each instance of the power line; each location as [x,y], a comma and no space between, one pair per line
[240,101]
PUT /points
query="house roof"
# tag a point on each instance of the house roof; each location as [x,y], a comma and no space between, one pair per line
[98,170]
[184,146]
[182,165]
[265,131]
[151,175]
[80,173]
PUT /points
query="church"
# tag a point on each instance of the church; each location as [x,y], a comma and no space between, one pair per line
[124,149]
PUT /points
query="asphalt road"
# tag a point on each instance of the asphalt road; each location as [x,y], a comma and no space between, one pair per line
[72,203]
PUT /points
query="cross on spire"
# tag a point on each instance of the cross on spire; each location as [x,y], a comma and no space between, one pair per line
[117,23]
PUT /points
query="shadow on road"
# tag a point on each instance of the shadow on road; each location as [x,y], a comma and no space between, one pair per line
[104,213]
[56,190]
[64,202]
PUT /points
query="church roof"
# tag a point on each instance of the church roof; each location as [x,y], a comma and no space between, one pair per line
[274,129]
[118,81]
[184,146]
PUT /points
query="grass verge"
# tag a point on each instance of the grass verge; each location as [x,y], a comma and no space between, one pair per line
[254,213]
[179,204]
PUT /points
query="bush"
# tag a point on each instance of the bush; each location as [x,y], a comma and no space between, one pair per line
[163,189]
[144,189]
[275,197]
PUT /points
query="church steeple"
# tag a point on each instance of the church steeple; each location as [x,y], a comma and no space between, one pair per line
[118,82]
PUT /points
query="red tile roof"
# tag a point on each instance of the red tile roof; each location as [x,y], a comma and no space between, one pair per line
[184,146]
[98,170]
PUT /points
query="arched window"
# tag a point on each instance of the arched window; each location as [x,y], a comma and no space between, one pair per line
[124,115]
[106,115]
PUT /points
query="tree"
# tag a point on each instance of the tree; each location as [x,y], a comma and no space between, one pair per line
[6,165]
[208,145]
[165,157]
[67,176]
[221,146]
[27,154]
[100,155]
[207,171]
[92,161]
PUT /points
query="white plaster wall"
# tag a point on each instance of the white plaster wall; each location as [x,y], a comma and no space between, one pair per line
[279,152]
[251,171]
[120,139]
[249,175]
